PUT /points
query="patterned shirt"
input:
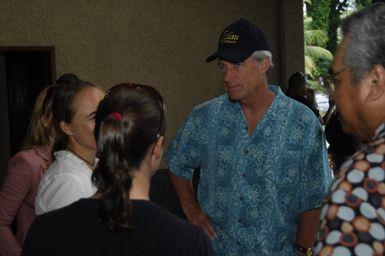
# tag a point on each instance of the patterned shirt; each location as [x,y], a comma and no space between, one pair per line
[353,216]
[253,187]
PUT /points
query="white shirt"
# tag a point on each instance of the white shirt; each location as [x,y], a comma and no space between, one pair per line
[67,180]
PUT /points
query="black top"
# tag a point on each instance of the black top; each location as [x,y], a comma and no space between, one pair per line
[306,102]
[341,143]
[71,231]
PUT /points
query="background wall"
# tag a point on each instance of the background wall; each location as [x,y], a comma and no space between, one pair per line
[160,43]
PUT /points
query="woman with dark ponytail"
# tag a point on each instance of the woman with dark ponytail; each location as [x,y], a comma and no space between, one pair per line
[120,219]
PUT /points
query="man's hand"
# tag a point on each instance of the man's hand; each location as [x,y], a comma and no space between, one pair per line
[190,205]
[196,216]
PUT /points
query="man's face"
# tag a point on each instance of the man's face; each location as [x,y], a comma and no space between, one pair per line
[241,80]
[348,96]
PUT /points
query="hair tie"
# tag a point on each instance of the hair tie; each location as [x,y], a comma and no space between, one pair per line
[117,116]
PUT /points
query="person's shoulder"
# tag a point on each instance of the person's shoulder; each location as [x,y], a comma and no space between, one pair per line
[26,160]
[56,225]
[282,98]
[65,164]
[292,107]
[149,208]
[66,213]
[183,234]
[26,154]
[212,103]
[302,108]
[50,229]
[61,171]
[163,217]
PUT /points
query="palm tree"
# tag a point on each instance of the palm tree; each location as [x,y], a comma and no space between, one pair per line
[317,58]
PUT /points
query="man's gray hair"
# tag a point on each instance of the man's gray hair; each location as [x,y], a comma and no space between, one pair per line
[261,55]
[366,45]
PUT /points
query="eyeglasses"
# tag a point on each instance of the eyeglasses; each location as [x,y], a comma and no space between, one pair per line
[330,81]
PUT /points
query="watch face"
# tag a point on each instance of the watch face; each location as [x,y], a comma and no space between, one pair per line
[307,251]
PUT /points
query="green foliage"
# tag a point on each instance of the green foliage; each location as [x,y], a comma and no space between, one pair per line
[337,8]
[315,37]
[319,10]
[318,52]
[317,58]
[321,33]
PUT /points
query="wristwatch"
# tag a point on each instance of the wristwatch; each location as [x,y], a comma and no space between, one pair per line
[307,251]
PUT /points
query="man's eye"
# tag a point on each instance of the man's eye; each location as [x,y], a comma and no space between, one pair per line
[239,65]
[221,66]
[91,116]
[335,81]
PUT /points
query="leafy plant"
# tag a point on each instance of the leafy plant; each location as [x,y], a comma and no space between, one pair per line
[317,58]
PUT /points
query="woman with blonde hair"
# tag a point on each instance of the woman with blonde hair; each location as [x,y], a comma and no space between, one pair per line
[25,169]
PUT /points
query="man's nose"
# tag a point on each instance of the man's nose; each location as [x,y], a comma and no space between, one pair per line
[228,74]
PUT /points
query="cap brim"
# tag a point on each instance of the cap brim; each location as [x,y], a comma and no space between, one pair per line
[231,56]
[212,57]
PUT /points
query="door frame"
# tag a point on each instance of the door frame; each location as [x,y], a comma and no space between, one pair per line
[4,119]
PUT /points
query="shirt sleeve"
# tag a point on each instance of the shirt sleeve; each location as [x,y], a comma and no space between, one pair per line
[316,177]
[184,152]
[14,190]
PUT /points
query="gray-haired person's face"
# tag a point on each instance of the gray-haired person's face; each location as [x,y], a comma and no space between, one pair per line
[350,98]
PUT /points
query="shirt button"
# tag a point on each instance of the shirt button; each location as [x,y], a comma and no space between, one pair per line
[240,220]
[241,198]
[238,243]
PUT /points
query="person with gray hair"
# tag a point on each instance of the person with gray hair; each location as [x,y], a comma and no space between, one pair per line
[262,157]
[353,215]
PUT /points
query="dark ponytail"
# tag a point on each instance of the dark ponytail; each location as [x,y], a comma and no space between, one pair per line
[128,122]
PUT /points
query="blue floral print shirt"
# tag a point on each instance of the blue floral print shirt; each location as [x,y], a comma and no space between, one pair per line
[353,216]
[253,187]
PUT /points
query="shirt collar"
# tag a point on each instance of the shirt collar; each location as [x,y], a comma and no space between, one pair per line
[380,132]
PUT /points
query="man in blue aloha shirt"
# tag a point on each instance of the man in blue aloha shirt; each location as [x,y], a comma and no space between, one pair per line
[262,156]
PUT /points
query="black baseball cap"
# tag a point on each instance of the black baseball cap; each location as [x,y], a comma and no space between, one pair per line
[238,41]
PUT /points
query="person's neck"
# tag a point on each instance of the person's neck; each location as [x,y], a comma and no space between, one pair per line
[255,107]
[140,187]
[87,156]
[259,101]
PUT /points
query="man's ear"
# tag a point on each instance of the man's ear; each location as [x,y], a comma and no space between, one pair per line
[265,65]
[158,148]
[376,83]
[66,128]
